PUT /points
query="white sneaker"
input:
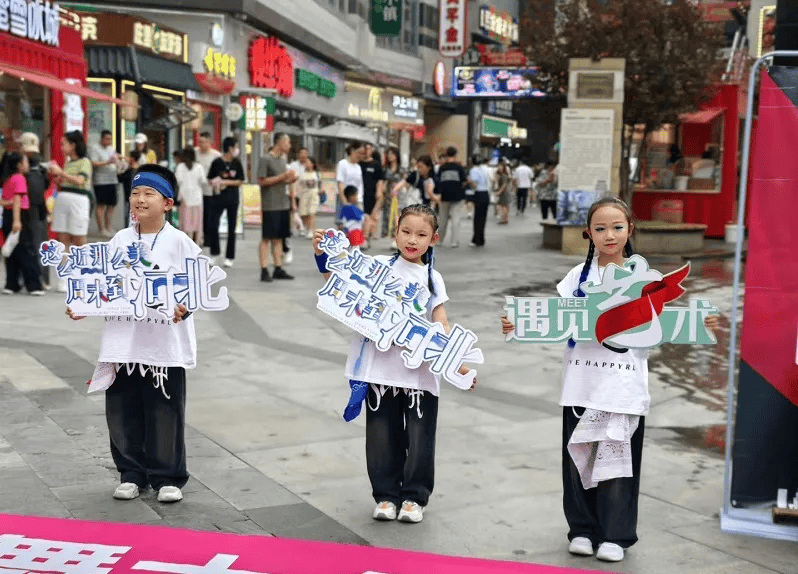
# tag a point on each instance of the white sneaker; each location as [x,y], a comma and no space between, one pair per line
[288,257]
[609,552]
[212,261]
[126,491]
[228,262]
[581,546]
[453,245]
[8,292]
[169,494]
[37,293]
[411,512]
[384,511]
[108,233]
[61,288]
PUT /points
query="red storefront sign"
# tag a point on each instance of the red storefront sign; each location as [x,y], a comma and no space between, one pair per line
[453,28]
[493,58]
[270,66]
[64,62]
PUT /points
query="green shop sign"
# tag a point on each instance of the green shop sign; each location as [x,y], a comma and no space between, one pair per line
[315,83]
[386,17]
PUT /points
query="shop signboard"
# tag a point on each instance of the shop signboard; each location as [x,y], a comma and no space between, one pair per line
[386,17]
[271,66]
[453,32]
[500,82]
[498,25]
[258,113]
[375,104]
[37,21]
[439,78]
[311,82]
[111,29]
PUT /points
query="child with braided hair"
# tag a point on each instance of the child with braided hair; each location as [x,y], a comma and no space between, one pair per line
[402,403]
[605,401]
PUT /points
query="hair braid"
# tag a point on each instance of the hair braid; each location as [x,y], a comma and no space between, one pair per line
[583,277]
[430,256]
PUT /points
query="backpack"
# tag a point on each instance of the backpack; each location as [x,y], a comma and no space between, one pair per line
[37,186]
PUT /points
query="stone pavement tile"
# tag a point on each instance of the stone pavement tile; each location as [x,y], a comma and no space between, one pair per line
[94,501]
[776,555]
[22,492]
[207,524]
[261,421]
[201,504]
[74,467]
[665,515]
[302,521]
[687,478]
[300,467]
[246,488]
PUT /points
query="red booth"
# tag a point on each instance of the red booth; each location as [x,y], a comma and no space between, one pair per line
[707,194]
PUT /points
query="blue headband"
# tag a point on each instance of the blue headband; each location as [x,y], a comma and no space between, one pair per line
[154,181]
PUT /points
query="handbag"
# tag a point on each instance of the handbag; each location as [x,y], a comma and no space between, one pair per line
[10,244]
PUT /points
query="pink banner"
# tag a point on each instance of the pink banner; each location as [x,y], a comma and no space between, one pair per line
[55,545]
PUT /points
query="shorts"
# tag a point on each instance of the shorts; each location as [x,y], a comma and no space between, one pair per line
[308,203]
[276,224]
[369,201]
[71,214]
[105,194]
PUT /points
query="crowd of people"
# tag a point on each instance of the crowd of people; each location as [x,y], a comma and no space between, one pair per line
[208,190]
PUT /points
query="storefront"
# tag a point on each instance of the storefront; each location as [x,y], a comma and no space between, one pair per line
[146,64]
[689,173]
[396,116]
[42,74]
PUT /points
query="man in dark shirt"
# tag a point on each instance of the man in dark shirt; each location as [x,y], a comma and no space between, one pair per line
[450,185]
[226,174]
[373,186]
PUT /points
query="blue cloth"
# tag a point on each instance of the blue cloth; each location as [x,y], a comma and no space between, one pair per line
[359,392]
[479,176]
[321,262]
[155,181]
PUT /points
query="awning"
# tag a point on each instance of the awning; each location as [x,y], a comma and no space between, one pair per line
[178,114]
[701,117]
[54,83]
[126,63]
[345,131]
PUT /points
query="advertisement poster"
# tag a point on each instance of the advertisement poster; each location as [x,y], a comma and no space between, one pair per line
[481,82]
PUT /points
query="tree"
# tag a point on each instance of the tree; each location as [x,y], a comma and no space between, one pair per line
[671,55]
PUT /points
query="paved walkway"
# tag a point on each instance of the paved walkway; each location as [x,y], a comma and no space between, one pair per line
[270,454]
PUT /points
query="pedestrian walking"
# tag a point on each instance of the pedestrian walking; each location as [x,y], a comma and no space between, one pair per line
[451,186]
[142,363]
[479,184]
[522,181]
[142,145]
[401,403]
[104,163]
[502,179]
[353,220]
[190,177]
[373,186]
[309,186]
[73,203]
[390,202]
[276,201]
[349,172]
[547,191]
[225,174]
[604,394]
[18,219]
[205,157]
[38,184]
[130,166]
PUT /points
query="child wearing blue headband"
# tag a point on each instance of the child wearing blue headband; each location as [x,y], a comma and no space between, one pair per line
[145,360]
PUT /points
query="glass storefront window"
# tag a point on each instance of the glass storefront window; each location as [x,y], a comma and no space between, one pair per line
[23,107]
[101,115]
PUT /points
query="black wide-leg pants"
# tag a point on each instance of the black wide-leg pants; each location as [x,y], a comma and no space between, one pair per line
[400,443]
[608,512]
[147,429]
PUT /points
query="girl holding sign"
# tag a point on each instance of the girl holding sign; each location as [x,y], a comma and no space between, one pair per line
[402,403]
[605,400]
